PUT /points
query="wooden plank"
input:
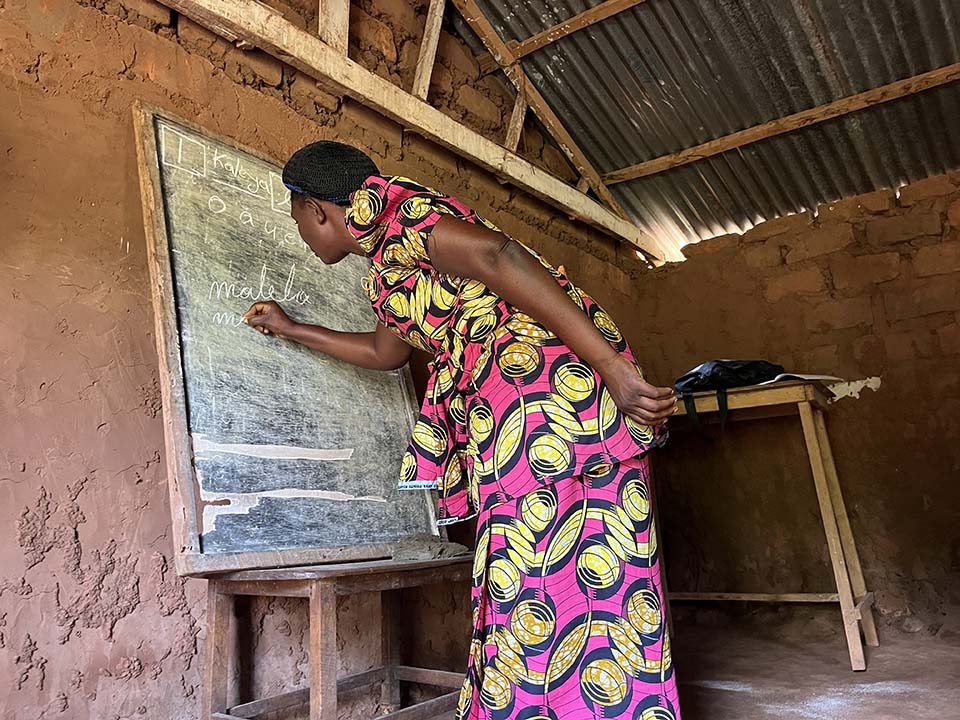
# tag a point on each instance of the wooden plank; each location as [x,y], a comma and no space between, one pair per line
[268,588]
[865,605]
[270,31]
[752,397]
[580,21]
[361,679]
[425,710]
[333,23]
[302,696]
[805,118]
[850,625]
[485,30]
[428,49]
[756,597]
[850,554]
[200,564]
[425,676]
[271,704]
[351,585]
[181,482]
[217,651]
[323,652]
[515,127]
[583,184]
[340,570]
[681,421]
[390,649]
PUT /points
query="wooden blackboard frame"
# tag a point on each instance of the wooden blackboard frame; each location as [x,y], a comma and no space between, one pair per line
[185,505]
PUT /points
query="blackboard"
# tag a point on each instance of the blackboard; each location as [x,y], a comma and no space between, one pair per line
[278,454]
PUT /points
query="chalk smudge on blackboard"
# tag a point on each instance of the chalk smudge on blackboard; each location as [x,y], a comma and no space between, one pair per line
[243,503]
[202,447]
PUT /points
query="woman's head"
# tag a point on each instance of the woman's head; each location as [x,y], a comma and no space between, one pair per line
[321,178]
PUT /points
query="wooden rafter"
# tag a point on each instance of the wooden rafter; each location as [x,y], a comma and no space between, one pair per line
[495,44]
[428,49]
[805,118]
[268,30]
[333,23]
[515,127]
[561,30]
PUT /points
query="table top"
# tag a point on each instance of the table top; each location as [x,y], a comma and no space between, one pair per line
[319,572]
[758,396]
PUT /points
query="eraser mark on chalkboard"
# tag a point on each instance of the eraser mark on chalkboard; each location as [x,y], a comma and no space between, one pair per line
[243,503]
[202,446]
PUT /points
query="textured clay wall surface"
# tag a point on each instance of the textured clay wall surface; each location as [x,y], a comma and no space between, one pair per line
[867,288]
[94,623]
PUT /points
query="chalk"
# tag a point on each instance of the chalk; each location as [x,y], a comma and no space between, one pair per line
[202,447]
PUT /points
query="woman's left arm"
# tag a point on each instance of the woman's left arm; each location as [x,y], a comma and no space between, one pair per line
[473,251]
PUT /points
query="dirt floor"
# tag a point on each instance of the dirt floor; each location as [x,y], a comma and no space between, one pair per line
[761,667]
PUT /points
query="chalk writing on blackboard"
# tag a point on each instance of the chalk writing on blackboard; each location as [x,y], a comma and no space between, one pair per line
[291,449]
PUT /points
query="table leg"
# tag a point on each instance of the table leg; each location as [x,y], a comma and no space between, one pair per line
[219,609]
[390,647]
[323,652]
[846,533]
[851,625]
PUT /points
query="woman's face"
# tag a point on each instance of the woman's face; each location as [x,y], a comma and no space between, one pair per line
[317,224]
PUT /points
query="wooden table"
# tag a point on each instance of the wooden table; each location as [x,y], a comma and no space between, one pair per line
[809,401]
[322,584]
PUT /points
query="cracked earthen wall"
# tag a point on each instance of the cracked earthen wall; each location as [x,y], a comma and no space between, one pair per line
[865,288]
[94,622]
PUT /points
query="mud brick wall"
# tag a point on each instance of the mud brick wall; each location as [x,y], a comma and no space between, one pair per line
[94,623]
[868,287]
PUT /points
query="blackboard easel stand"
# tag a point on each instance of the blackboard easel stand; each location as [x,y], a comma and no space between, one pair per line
[322,584]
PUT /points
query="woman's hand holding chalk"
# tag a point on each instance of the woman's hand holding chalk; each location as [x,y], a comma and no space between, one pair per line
[269,318]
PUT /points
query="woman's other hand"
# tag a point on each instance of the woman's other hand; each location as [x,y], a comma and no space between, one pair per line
[645,403]
[269,318]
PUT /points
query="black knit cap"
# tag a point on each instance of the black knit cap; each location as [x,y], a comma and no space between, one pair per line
[328,171]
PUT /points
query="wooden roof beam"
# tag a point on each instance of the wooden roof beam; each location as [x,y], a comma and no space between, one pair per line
[268,30]
[535,101]
[333,23]
[515,126]
[428,49]
[806,118]
[561,30]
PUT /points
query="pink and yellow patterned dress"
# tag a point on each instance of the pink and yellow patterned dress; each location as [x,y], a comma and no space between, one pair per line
[518,430]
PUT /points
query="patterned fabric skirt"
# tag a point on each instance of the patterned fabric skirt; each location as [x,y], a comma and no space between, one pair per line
[567,605]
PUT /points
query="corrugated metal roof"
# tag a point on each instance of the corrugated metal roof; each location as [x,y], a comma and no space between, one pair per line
[670,74]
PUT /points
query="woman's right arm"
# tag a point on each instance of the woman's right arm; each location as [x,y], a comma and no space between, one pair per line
[377,350]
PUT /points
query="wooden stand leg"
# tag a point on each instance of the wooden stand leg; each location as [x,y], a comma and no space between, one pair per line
[851,625]
[323,652]
[216,662]
[390,656]
[846,533]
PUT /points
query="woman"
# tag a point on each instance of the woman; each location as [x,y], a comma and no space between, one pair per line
[536,420]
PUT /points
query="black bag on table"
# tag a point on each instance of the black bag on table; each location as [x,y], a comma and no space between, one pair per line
[721,375]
